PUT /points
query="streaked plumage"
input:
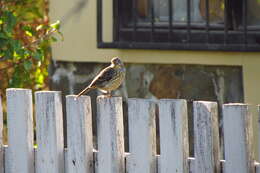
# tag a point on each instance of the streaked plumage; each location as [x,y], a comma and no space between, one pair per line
[108,79]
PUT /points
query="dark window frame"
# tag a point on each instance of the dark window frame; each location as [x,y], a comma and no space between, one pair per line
[234,35]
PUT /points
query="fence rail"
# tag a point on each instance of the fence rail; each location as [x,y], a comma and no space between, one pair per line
[49,156]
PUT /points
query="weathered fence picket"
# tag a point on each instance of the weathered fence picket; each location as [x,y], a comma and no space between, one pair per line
[110,134]
[20,153]
[238,139]
[206,137]
[1,138]
[258,108]
[110,156]
[142,136]
[79,135]
[173,132]
[49,127]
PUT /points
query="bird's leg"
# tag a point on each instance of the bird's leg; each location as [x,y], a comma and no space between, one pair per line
[106,93]
[109,94]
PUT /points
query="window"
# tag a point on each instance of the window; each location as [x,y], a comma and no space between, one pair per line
[231,25]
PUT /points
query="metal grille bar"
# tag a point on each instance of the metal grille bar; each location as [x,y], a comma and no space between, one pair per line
[188,21]
[207,20]
[134,13]
[225,21]
[152,20]
[170,20]
[147,32]
[245,21]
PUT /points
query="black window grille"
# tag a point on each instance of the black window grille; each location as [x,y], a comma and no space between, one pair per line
[227,25]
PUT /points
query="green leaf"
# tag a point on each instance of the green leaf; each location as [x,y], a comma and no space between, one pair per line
[56,25]
[39,77]
[8,53]
[53,39]
[1,53]
[28,31]
[27,65]
[16,44]
[16,80]
[3,36]
[39,55]
[10,21]
[39,27]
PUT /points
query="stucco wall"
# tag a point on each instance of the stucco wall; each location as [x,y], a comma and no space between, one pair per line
[79,28]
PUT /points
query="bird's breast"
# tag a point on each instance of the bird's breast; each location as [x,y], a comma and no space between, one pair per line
[116,81]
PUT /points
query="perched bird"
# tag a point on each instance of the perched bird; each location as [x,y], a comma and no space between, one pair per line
[108,79]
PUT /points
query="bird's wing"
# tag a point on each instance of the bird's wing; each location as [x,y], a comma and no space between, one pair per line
[103,77]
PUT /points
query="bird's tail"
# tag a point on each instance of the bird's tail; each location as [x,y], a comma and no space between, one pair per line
[87,89]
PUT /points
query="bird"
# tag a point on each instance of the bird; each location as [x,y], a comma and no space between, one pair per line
[108,79]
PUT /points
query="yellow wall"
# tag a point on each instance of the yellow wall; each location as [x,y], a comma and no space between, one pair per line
[80,45]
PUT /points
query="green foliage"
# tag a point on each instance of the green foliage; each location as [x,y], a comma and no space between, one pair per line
[25,38]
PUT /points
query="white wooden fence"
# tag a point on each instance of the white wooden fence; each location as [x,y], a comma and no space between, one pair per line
[20,156]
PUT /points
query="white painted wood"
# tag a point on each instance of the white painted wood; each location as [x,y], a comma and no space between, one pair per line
[258,107]
[257,167]
[238,138]
[173,136]
[49,128]
[110,133]
[142,136]
[127,160]
[206,137]
[1,139]
[158,164]
[20,155]
[79,135]
[65,160]
[191,161]
[222,165]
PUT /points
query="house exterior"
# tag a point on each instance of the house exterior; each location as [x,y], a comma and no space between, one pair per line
[211,51]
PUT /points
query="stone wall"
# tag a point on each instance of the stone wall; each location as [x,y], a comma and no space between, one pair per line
[155,81]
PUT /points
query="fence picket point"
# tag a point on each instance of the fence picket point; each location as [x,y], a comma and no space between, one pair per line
[49,126]
[79,135]
[142,136]
[173,132]
[238,138]
[20,155]
[110,135]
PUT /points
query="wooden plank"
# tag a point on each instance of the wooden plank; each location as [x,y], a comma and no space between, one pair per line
[79,135]
[49,128]
[206,137]
[142,136]
[20,155]
[238,138]
[1,139]
[110,135]
[257,167]
[191,162]
[173,136]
